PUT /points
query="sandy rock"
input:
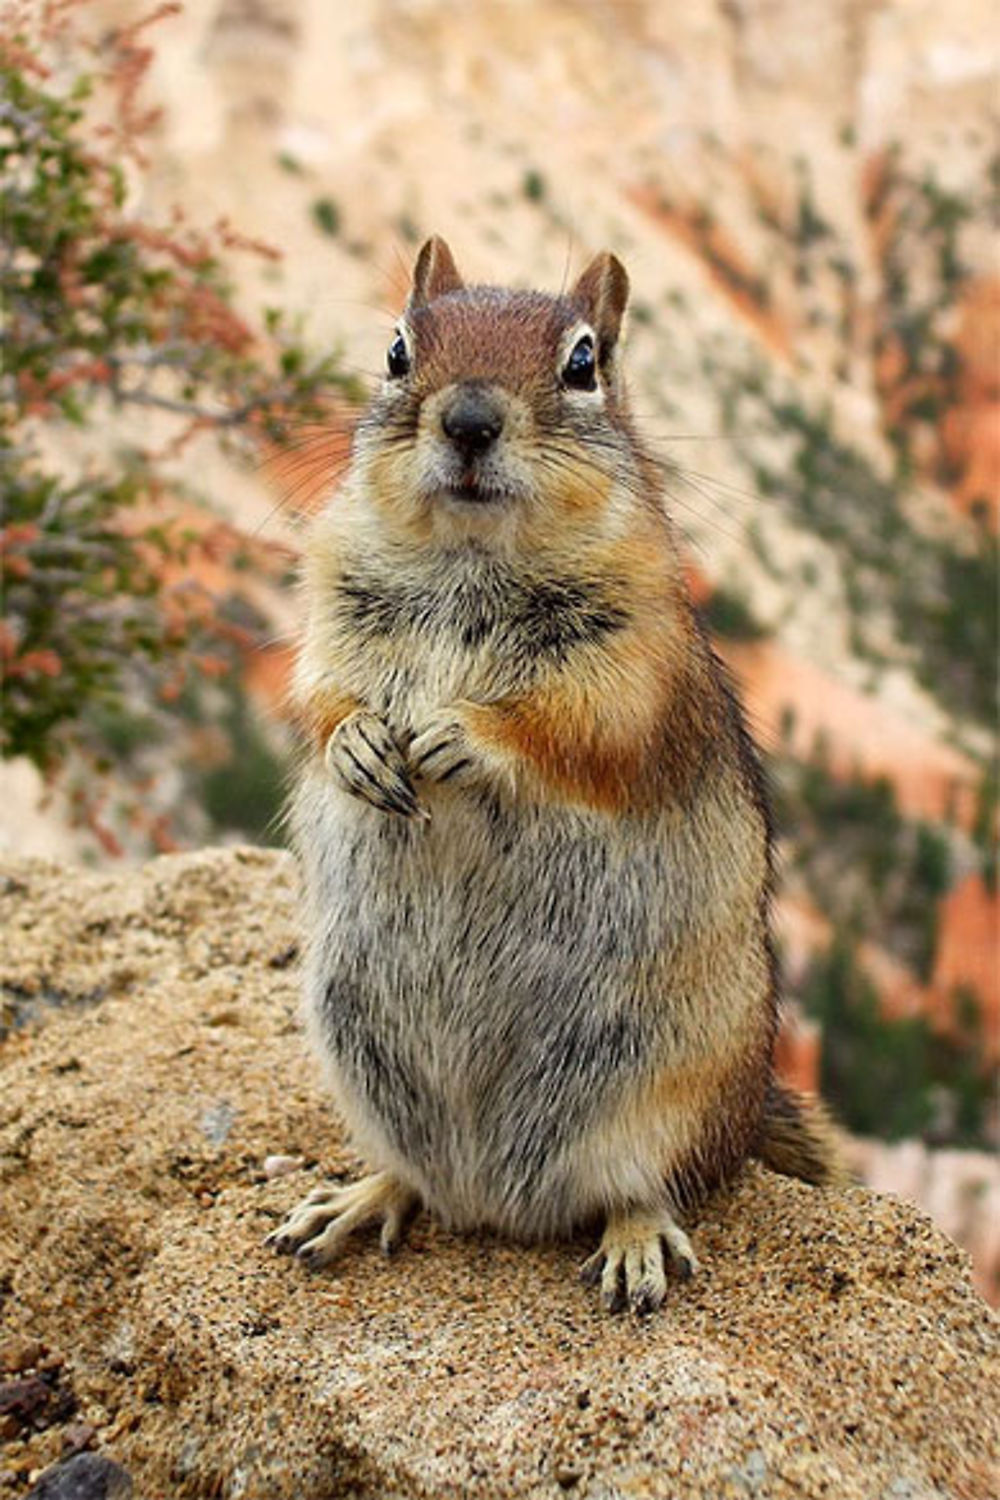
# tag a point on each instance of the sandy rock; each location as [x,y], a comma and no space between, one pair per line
[833,1345]
[281,1166]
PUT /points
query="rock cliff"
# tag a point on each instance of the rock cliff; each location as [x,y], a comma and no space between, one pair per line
[833,1345]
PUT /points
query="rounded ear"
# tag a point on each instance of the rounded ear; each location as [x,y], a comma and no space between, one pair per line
[602,293]
[434,275]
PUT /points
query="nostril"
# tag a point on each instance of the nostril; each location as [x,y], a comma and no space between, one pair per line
[472,424]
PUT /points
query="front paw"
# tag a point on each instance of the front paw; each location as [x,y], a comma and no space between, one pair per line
[364,759]
[442,750]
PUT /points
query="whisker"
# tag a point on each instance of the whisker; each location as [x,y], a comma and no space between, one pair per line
[565,461]
[570,243]
[714,505]
[327,450]
[326,300]
[280,638]
[668,472]
[724,484]
[702,519]
[275,510]
[352,369]
[300,481]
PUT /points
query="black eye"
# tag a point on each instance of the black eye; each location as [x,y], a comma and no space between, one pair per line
[398,359]
[580,372]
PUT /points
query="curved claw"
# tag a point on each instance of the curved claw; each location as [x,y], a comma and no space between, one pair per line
[630,1263]
[363,758]
[316,1230]
[442,750]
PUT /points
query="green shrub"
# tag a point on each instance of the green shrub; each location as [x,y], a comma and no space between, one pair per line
[247,793]
[533,186]
[103,618]
[728,614]
[876,1073]
[326,216]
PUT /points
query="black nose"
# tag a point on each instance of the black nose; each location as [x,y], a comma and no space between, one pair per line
[473,423]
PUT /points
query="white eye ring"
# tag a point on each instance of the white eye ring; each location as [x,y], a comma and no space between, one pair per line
[580,370]
[398,359]
[578,361]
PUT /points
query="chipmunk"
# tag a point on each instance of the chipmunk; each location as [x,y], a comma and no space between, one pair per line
[533,829]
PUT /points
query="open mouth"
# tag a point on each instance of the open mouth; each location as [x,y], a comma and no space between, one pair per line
[472,489]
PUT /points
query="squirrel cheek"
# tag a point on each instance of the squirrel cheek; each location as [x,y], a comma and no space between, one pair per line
[583,491]
[396,481]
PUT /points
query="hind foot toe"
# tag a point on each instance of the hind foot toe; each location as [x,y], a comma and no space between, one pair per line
[317,1230]
[630,1265]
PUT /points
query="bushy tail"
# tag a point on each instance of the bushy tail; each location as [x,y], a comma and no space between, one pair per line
[798,1138]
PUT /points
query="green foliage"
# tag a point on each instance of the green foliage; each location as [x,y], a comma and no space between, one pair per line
[326,216]
[102,613]
[874,1072]
[942,594]
[931,862]
[728,614]
[80,599]
[956,626]
[408,230]
[986,822]
[810,226]
[869,868]
[924,271]
[246,794]
[534,186]
[894,1078]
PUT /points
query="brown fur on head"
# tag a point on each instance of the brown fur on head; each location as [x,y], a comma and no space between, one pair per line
[502,416]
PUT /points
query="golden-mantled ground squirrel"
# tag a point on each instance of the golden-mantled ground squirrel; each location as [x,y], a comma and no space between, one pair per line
[532,825]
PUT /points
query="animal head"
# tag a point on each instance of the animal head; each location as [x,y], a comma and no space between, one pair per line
[500,410]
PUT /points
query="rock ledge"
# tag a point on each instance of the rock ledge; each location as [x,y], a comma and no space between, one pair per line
[832,1347]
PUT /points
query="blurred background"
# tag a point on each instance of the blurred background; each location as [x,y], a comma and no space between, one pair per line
[204,252]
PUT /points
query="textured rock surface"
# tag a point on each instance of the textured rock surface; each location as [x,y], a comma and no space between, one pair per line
[832,1347]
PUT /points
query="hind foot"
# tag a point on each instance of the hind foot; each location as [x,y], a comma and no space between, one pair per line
[316,1231]
[631,1262]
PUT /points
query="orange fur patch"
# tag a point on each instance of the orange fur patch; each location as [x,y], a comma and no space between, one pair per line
[320,715]
[626,733]
[591,736]
[568,756]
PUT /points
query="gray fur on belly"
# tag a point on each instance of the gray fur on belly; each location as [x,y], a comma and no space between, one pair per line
[463,993]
